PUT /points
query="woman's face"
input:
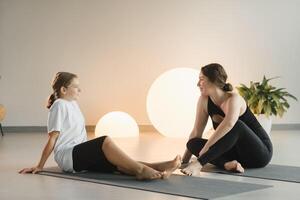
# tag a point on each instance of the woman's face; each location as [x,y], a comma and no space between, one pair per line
[72,91]
[204,84]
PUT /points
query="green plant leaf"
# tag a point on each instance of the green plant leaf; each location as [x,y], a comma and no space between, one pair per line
[263,98]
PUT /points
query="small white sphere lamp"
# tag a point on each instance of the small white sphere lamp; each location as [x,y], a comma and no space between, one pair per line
[117,124]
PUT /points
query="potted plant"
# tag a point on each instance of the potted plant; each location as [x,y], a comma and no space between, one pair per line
[265,100]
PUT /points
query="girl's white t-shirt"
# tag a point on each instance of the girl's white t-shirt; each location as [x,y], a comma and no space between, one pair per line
[65,116]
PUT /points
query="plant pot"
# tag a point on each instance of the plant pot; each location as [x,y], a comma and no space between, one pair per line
[265,122]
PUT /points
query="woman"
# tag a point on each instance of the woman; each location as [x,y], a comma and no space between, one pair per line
[72,151]
[238,142]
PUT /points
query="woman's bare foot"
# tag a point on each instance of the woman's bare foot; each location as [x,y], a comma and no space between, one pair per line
[147,173]
[193,169]
[171,166]
[234,166]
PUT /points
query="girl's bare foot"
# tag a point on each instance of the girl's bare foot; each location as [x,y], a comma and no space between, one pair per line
[147,173]
[234,166]
[171,166]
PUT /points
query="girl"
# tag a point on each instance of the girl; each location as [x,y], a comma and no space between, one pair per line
[72,151]
[238,140]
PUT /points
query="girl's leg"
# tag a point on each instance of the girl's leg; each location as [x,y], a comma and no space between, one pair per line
[127,165]
[168,166]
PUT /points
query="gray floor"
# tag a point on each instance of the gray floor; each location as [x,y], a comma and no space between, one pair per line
[18,150]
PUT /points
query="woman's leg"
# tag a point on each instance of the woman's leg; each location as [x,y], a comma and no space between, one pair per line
[250,149]
[234,166]
[261,152]
[127,165]
[195,145]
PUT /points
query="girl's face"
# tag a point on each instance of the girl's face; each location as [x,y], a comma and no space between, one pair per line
[72,91]
[204,84]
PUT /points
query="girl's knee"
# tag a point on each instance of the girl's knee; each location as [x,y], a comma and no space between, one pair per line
[107,141]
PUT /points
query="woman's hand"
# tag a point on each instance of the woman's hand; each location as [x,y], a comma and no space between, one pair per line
[32,170]
[183,165]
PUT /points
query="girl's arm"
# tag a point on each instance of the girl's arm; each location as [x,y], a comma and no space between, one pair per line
[46,153]
[200,123]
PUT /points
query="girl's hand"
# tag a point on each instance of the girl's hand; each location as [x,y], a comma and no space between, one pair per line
[32,170]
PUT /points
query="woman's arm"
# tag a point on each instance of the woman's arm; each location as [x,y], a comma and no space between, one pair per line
[46,153]
[199,126]
[231,117]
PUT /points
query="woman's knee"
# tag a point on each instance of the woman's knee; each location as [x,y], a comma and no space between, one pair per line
[239,126]
[190,144]
[195,144]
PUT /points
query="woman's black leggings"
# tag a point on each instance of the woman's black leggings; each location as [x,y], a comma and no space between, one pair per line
[251,149]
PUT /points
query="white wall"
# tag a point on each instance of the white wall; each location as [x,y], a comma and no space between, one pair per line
[119,47]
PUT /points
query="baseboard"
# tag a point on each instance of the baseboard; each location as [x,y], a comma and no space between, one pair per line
[143,128]
[280,127]
[89,128]
[24,129]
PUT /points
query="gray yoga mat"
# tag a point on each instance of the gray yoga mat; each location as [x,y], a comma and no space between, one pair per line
[193,187]
[270,172]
